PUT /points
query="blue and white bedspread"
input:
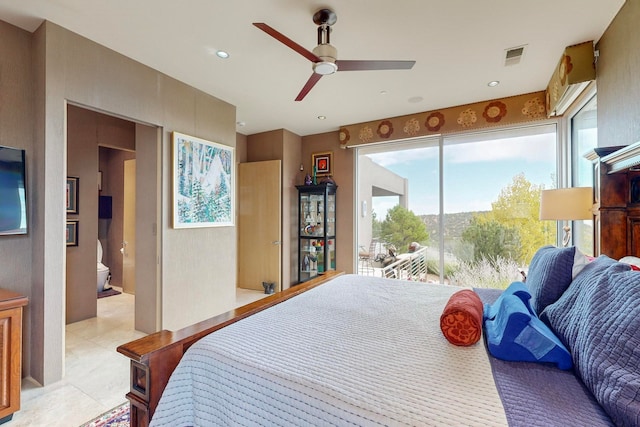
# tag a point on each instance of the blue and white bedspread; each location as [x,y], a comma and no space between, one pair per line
[355,351]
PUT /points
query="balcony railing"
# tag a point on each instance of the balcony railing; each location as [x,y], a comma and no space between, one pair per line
[408,266]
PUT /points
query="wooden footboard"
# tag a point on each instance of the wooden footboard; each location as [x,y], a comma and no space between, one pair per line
[154,357]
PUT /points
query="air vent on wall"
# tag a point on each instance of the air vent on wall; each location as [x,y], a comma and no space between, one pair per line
[513,55]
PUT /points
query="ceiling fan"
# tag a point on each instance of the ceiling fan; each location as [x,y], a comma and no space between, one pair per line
[324,56]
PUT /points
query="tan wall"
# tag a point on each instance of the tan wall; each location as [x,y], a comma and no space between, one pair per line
[16,130]
[291,176]
[82,162]
[148,313]
[241,148]
[197,281]
[265,146]
[375,180]
[344,176]
[617,79]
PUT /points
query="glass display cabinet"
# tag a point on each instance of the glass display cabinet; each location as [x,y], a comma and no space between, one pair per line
[316,229]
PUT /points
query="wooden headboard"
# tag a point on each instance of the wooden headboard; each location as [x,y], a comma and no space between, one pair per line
[617,200]
[154,357]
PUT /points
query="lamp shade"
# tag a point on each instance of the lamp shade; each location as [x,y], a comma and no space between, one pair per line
[566,204]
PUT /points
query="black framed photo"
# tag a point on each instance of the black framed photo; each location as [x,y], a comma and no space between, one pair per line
[72,233]
[72,194]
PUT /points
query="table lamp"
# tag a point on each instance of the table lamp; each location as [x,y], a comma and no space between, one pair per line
[566,204]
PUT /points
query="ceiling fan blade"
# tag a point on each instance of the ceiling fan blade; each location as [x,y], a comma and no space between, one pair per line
[357,65]
[287,41]
[308,86]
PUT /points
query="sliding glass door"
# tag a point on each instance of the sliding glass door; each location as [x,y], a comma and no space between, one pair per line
[491,188]
[399,202]
[469,201]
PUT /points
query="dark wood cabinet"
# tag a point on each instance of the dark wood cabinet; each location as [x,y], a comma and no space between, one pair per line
[11,304]
[316,230]
[616,175]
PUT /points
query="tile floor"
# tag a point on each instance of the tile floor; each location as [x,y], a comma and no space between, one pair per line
[96,376]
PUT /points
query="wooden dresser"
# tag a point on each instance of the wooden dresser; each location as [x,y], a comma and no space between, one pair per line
[11,304]
[616,189]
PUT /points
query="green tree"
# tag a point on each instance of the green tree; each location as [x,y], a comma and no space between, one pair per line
[515,216]
[401,227]
[518,205]
[491,239]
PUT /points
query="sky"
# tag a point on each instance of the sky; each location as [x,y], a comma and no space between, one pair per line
[474,173]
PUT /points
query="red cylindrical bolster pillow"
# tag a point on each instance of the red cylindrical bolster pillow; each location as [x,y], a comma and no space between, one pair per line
[461,320]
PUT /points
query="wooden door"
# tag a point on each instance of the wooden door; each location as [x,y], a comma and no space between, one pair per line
[259,224]
[129,229]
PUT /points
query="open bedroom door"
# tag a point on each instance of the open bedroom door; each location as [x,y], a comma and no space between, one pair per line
[259,224]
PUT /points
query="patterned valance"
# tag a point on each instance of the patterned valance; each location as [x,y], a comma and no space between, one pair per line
[574,71]
[487,114]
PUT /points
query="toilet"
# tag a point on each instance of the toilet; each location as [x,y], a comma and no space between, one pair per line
[103,270]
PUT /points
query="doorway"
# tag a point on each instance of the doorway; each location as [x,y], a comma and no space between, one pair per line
[98,145]
[116,231]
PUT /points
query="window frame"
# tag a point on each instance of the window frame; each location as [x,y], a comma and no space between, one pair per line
[570,156]
[461,137]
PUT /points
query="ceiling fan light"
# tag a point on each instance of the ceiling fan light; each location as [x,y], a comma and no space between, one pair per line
[323,68]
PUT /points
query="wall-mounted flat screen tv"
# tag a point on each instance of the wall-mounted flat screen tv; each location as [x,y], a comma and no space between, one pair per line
[13,192]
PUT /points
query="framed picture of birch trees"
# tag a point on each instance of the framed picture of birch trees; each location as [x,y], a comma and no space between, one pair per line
[203,183]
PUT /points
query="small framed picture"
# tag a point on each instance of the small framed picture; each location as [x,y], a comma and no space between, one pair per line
[72,194]
[323,163]
[72,233]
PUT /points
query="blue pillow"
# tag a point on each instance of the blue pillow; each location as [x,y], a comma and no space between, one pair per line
[517,335]
[518,289]
[598,319]
[550,274]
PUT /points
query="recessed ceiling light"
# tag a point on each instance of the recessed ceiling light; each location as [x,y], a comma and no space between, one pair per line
[322,117]
[383,92]
[240,123]
[493,83]
[222,54]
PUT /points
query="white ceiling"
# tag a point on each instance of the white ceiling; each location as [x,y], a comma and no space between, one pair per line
[459,46]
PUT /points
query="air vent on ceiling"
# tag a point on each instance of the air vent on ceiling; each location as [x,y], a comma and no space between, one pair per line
[513,55]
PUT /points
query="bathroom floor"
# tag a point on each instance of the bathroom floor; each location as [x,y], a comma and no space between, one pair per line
[96,376]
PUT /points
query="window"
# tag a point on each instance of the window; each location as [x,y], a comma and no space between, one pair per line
[476,195]
[583,139]
[402,180]
[497,177]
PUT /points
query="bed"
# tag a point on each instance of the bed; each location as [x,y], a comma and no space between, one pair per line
[334,360]
[352,350]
